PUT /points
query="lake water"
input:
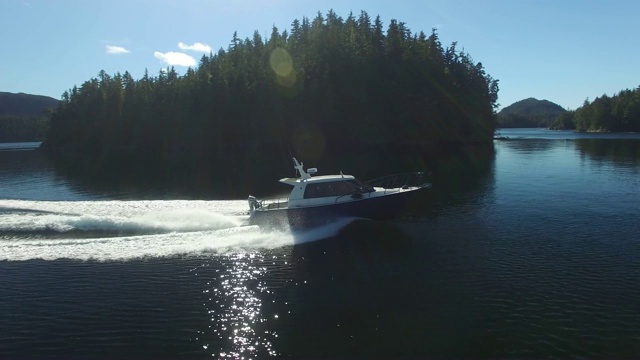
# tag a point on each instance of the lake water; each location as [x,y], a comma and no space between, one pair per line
[539,257]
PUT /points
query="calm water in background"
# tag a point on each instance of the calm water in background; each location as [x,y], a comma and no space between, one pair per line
[539,257]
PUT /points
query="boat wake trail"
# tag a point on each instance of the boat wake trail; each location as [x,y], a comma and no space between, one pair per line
[125,230]
[112,217]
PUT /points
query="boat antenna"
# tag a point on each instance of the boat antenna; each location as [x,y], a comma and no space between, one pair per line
[295,169]
[300,167]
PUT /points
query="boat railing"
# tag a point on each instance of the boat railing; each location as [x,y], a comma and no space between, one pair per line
[275,203]
[403,180]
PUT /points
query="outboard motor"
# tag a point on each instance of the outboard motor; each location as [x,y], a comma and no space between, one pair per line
[253,203]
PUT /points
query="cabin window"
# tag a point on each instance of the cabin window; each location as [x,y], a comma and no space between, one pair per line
[325,189]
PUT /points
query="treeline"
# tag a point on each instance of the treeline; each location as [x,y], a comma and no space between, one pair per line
[620,113]
[16,128]
[521,121]
[327,86]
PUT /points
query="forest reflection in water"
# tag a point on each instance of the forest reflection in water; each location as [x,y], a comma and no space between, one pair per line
[534,255]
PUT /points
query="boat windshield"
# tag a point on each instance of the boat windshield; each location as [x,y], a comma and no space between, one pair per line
[364,188]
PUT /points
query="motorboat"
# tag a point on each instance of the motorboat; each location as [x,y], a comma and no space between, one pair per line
[315,200]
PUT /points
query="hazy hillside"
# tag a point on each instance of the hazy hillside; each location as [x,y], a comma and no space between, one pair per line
[22,116]
[25,104]
[529,113]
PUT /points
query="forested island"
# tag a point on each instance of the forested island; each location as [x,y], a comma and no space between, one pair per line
[619,113]
[529,113]
[341,92]
[24,117]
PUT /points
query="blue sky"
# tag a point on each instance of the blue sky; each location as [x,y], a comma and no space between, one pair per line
[561,50]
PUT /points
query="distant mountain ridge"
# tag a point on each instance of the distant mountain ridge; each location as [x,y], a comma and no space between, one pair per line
[23,116]
[530,112]
[21,104]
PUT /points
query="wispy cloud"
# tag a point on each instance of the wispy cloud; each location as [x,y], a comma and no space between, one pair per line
[115,50]
[195,47]
[175,58]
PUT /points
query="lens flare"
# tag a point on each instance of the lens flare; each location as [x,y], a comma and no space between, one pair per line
[282,65]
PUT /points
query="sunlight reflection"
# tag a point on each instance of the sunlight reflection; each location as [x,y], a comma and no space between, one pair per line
[236,313]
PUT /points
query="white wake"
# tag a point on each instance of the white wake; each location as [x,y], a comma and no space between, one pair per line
[124,230]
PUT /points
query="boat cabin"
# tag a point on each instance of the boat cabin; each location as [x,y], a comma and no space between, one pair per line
[323,190]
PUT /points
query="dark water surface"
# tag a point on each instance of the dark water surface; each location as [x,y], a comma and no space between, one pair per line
[537,258]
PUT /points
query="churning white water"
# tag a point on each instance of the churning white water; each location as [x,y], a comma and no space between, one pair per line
[122,230]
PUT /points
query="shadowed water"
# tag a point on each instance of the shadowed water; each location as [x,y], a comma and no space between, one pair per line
[535,258]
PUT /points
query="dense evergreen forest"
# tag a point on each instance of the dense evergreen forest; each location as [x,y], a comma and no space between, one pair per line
[620,112]
[328,90]
[24,117]
[15,128]
[529,113]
